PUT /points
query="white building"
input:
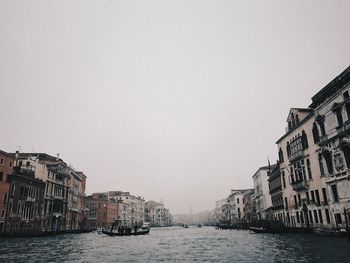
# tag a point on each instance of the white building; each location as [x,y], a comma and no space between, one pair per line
[236,205]
[135,204]
[262,197]
[157,214]
[304,191]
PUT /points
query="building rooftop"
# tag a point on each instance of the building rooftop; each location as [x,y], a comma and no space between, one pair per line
[10,155]
[331,88]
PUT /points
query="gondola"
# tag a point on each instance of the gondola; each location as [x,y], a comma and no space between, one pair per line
[138,233]
[258,229]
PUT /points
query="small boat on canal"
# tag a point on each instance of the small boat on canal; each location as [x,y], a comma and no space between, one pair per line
[258,229]
[330,232]
[126,233]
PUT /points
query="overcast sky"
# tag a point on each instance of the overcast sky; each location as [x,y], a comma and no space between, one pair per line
[173,100]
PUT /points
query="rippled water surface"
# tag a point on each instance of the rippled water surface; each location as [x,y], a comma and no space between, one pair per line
[176,244]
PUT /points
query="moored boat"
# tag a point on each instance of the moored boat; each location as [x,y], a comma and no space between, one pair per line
[258,229]
[330,232]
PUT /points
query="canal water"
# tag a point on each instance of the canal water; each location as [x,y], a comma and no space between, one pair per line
[175,244]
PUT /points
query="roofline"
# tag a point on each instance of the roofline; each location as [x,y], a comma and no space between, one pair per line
[272,166]
[10,155]
[318,98]
[297,126]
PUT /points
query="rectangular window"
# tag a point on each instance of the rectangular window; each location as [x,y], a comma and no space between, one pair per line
[286,203]
[335,193]
[3,213]
[1,161]
[308,197]
[325,201]
[318,202]
[237,200]
[299,199]
[327,216]
[295,201]
[312,197]
[320,216]
[301,218]
[284,180]
[338,219]
[1,175]
[315,215]
[347,108]
[298,219]
[310,217]
[5,198]
[339,117]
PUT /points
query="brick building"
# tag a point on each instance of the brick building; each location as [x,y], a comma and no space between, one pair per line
[7,161]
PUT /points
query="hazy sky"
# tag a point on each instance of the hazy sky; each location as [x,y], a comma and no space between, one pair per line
[179,100]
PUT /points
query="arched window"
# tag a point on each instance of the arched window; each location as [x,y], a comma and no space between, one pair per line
[320,161]
[293,120]
[315,133]
[346,150]
[308,166]
[291,174]
[304,141]
[288,149]
[329,162]
[296,119]
[280,155]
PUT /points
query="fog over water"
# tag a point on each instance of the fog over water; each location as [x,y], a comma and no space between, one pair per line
[172,100]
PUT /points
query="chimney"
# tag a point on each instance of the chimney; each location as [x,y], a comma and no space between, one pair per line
[58,156]
[16,157]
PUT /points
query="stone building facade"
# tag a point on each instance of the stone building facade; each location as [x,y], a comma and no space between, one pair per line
[305,196]
[331,131]
[262,198]
[25,202]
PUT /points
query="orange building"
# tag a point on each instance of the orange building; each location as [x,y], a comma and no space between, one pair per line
[7,161]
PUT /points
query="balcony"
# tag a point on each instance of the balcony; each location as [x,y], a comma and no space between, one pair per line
[338,176]
[297,155]
[59,197]
[300,186]
[30,199]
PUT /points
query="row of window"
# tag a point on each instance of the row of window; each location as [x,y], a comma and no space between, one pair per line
[312,216]
[2,162]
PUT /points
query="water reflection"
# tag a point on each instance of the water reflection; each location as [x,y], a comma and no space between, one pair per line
[177,245]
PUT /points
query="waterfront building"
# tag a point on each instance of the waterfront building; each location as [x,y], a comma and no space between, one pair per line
[156,214]
[249,206]
[135,204]
[331,132]
[262,198]
[305,196]
[236,205]
[76,194]
[101,211]
[58,178]
[7,161]
[226,212]
[217,213]
[275,190]
[24,202]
